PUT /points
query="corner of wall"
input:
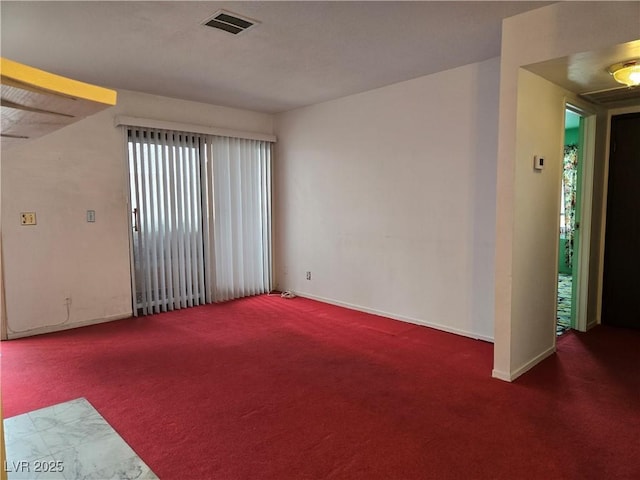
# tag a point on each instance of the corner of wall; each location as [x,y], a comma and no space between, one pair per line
[64,271]
[546,33]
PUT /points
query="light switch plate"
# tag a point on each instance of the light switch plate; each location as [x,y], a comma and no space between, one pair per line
[28,218]
[91,216]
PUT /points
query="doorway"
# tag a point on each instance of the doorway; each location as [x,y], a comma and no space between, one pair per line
[575,219]
[569,238]
[200,228]
[620,305]
[167,246]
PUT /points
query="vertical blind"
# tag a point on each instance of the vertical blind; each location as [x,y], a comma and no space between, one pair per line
[241,178]
[201,224]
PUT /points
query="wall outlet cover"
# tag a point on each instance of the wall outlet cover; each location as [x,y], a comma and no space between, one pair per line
[28,218]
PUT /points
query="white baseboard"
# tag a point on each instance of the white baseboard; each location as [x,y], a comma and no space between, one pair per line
[526,367]
[65,326]
[394,316]
[591,325]
[500,375]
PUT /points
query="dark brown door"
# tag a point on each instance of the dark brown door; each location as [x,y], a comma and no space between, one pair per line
[621,287]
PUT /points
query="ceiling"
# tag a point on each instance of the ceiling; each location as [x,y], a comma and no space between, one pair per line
[301,53]
[587,74]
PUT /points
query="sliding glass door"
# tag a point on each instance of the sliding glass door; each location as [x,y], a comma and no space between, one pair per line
[166,199]
[201,218]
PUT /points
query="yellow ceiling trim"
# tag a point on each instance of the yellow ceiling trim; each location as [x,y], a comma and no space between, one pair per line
[16,73]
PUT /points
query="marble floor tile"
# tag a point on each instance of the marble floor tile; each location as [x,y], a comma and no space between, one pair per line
[62,414]
[69,441]
[26,447]
[82,460]
[18,426]
[61,437]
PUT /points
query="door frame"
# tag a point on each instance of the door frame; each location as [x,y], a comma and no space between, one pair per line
[127,179]
[587,143]
[605,195]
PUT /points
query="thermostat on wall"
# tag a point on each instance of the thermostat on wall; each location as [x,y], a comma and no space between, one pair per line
[538,162]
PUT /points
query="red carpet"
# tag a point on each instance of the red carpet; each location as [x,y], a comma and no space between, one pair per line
[268,388]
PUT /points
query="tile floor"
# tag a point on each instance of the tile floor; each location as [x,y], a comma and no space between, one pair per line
[69,441]
[564,304]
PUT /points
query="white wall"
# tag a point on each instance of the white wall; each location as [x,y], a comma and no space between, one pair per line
[388,198]
[554,31]
[62,175]
[536,216]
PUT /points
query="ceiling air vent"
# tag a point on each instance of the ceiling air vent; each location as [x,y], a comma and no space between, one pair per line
[230,22]
[613,96]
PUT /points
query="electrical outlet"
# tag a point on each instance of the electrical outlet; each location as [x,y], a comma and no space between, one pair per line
[308,275]
[91,216]
[67,301]
[28,218]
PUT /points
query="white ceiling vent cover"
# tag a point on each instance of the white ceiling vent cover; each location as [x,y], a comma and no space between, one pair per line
[620,96]
[230,22]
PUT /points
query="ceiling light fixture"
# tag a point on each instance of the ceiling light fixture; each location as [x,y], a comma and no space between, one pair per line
[627,73]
